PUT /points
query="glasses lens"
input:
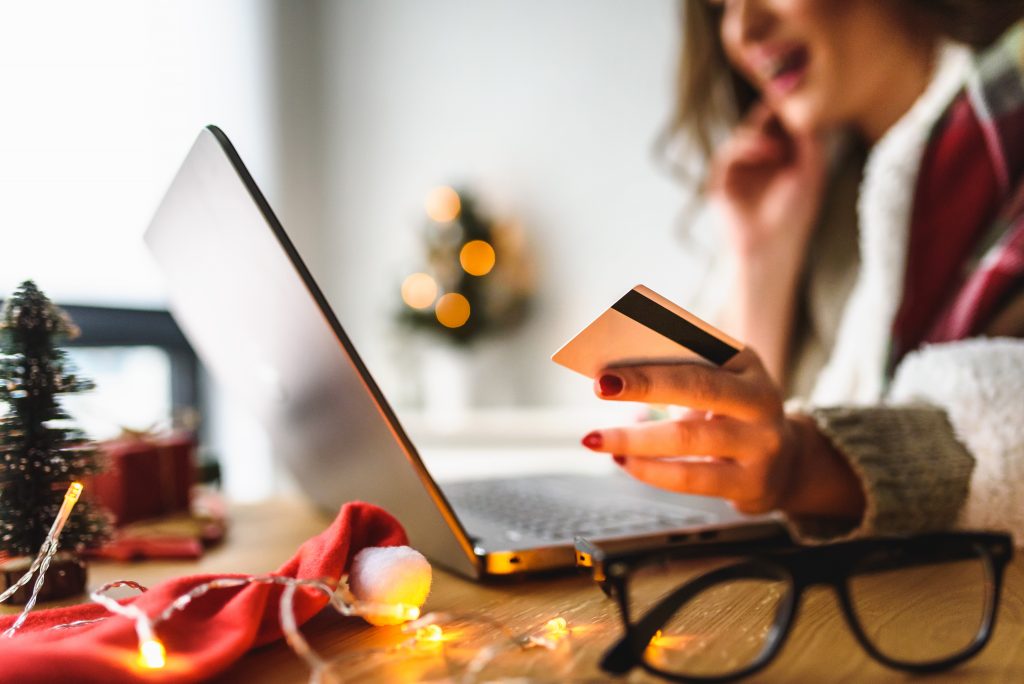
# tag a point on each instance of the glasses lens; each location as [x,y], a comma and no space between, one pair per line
[655,579]
[721,630]
[921,606]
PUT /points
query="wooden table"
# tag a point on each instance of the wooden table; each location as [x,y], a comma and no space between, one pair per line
[820,648]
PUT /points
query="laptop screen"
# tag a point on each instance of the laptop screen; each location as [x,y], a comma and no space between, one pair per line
[263,328]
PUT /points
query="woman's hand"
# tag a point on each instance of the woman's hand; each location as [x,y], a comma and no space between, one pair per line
[767,184]
[745,448]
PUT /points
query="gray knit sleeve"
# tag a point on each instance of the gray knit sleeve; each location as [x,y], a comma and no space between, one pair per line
[914,471]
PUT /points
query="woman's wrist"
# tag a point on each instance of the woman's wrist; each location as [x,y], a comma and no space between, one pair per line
[763,308]
[786,246]
[783,253]
[822,482]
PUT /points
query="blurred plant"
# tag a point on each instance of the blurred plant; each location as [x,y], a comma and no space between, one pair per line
[476,279]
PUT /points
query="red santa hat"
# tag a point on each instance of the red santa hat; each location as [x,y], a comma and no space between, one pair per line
[221,625]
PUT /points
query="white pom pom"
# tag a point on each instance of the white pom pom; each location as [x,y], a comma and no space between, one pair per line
[389,575]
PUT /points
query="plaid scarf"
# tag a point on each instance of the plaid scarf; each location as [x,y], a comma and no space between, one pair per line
[967,228]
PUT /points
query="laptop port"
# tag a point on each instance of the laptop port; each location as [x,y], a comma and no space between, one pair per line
[676,538]
[707,534]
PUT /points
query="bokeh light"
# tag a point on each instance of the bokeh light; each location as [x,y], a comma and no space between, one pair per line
[430,633]
[477,258]
[152,654]
[419,291]
[557,626]
[443,204]
[452,310]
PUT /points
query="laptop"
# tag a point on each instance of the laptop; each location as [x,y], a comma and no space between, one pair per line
[260,324]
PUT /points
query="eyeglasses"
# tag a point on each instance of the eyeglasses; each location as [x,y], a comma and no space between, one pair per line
[920,604]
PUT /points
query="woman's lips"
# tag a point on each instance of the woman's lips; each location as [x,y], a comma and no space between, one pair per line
[785,71]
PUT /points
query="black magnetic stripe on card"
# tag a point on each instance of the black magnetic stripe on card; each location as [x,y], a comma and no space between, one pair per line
[652,315]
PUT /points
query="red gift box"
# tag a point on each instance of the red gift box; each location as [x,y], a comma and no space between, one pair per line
[146,476]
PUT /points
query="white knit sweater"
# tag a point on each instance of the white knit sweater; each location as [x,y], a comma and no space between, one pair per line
[980,385]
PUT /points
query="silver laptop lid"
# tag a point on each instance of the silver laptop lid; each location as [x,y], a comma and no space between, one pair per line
[249,306]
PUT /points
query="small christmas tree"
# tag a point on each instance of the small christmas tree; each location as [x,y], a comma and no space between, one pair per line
[476,280]
[40,452]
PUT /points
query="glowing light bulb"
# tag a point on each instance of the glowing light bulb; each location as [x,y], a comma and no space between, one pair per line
[406,613]
[419,291]
[452,310]
[152,654]
[477,258]
[431,634]
[443,204]
[557,626]
[70,499]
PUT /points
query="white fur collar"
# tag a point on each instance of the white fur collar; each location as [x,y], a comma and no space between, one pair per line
[855,372]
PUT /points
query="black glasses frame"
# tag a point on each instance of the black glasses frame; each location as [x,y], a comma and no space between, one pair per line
[801,567]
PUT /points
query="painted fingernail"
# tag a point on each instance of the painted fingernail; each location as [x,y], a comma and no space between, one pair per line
[593,440]
[610,385]
[620,459]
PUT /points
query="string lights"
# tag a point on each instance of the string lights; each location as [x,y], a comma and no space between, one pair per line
[462,248]
[426,632]
[419,291]
[452,310]
[42,560]
[431,634]
[443,204]
[477,257]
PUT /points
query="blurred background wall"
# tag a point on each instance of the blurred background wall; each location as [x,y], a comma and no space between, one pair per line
[348,113]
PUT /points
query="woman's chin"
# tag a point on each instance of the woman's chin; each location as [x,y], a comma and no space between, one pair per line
[800,117]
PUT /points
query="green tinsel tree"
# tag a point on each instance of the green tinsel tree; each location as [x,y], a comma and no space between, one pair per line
[40,452]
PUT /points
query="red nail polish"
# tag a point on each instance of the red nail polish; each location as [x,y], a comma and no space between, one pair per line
[610,385]
[620,459]
[593,440]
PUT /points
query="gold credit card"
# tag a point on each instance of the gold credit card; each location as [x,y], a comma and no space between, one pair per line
[644,327]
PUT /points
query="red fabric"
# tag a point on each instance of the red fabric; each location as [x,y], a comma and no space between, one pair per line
[956,199]
[984,292]
[205,638]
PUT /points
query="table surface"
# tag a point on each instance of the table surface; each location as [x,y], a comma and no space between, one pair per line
[261,536]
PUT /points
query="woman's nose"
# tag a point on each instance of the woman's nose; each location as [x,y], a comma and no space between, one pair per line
[752,19]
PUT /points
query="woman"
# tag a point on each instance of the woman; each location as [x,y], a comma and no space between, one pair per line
[873,195]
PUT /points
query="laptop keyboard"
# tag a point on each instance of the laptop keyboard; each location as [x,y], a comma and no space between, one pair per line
[541,509]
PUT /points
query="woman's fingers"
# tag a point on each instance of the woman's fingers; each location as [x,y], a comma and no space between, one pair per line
[720,478]
[745,436]
[761,128]
[740,389]
[720,436]
[747,149]
[724,478]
